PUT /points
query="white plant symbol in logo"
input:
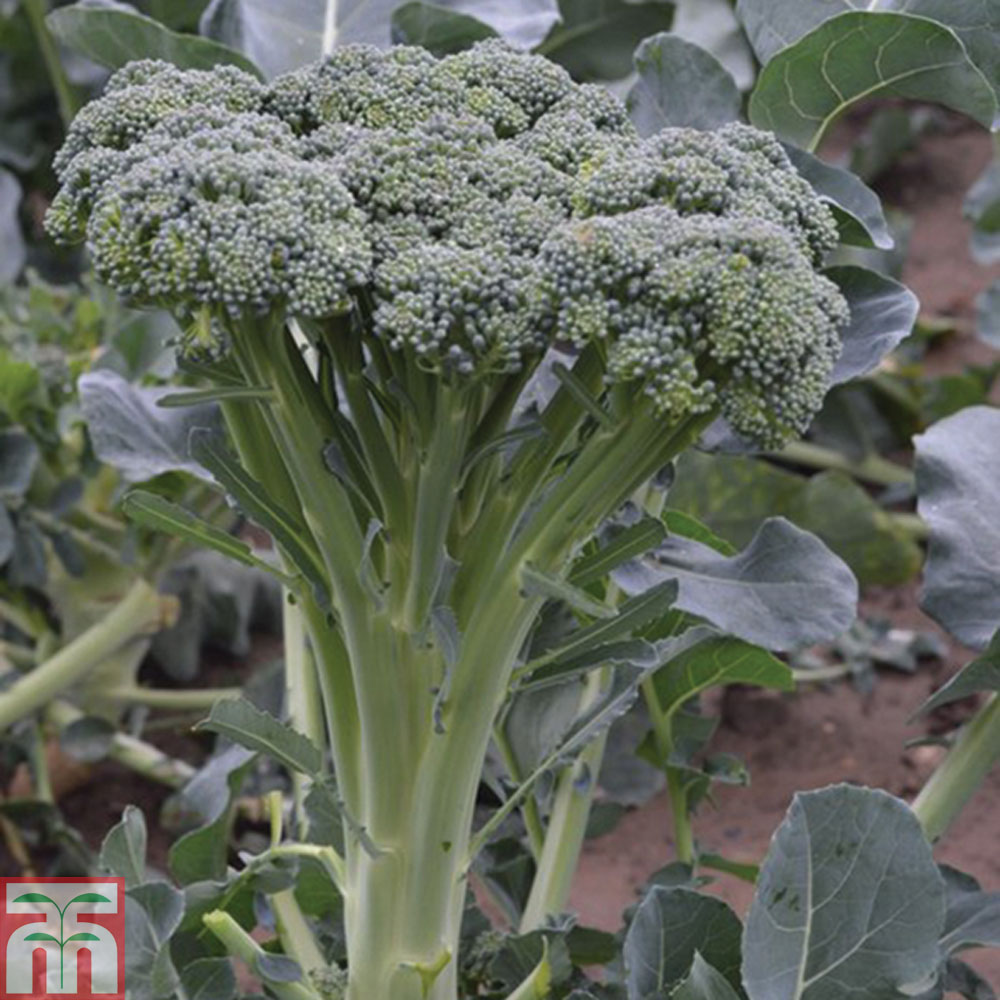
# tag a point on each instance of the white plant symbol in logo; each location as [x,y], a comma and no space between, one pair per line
[40,897]
[65,916]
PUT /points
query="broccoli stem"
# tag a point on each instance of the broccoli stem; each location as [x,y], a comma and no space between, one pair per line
[138,615]
[567,826]
[973,755]
[302,695]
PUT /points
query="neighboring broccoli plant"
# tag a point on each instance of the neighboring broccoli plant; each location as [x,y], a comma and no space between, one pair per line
[375,259]
[82,592]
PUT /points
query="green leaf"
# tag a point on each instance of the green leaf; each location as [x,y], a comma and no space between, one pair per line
[857,208]
[160,514]
[130,431]
[288,532]
[279,38]
[35,897]
[244,723]
[704,983]
[277,968]
[153,912]
[115,35]
[849,901]
[671,927]
[437,28]
[201,856]
[980,674]
[14,250]
[784,590]
[41,936]
[734,494]
[19,457]
[958,481]
[538,584]
[598,643]
[861,55]
[844,515]
[538,984]
[595,39]
[87,739]
[973,921]
[680,85]
[706,659]
[712,24]
[208,979]
[452,25]
[982,209]
[124,849]
[83,936]
[216,394]
[624,544]
[883,313]
[89,897]
[988,316]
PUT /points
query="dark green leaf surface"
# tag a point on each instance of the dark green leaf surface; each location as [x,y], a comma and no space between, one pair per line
[982,208]
[717,660]
[670,927]
[981,674]
[209,979]
[849,902]
[988,316]
[771,25]
[153,511]
[704,983]
[861,55]
[857,207]
[596,39]
[437,28]
[453,25]
[202,855]
[18,460]
[882,315]
[958,482]
[680,84]
[115,35]
[14,251]
[244,723]
[124,849]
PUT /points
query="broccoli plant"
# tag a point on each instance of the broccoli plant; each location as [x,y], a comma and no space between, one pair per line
[456,312]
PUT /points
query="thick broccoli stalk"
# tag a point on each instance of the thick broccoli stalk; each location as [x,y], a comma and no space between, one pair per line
[390,244]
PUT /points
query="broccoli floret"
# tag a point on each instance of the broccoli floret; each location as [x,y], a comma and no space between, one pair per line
[701,312]
[476,207]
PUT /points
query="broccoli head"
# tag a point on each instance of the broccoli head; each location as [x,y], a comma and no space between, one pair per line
[473,210]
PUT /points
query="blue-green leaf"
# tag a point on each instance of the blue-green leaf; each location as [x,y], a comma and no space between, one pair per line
[115,34]
[849,902]
[680,85]
[861,55]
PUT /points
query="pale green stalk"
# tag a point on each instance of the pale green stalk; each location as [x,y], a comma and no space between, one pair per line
[239,944]
[974,754]
[136,616]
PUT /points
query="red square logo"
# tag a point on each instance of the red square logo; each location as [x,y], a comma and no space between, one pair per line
[62,937]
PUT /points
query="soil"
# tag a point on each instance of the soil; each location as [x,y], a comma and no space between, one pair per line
[818,736]
[824,735]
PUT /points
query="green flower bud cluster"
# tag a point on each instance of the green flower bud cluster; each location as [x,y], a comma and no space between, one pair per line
[479,206]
